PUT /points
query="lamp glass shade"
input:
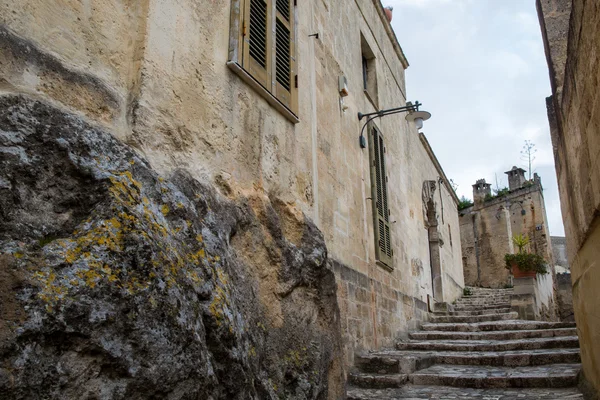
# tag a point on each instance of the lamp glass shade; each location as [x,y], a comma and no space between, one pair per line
[418,117]
[419,123]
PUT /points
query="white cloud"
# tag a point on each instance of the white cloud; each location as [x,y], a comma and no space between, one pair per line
[479,67]
[416,3]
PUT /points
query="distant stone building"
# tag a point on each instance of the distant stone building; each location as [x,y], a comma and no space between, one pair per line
[572,43]
[559,253]
[564,290]
[487,228]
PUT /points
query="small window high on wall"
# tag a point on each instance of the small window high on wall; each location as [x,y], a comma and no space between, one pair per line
[369,71]
[262,50]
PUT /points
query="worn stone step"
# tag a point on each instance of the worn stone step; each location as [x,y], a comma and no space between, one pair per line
[548,376]
[394,362]
[474,312]
[474,318]
[487,296]
[409,361]
[496,326]
[477,308]
[377,381]
[493,335]
[490,345]
[479,302]
[416,392]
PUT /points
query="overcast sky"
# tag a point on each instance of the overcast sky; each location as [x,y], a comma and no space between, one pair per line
[479,67]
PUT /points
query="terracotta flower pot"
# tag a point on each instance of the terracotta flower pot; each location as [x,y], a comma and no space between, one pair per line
[388,14]
[516,271]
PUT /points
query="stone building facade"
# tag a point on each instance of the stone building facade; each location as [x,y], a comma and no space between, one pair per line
[202,86]
[559,253]
[487,228]
[572,44]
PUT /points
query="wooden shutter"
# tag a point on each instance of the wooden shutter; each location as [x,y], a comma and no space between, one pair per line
[257,38]
[381,213]
[284,53]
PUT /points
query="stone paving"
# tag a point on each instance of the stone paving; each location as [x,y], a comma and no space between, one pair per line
[411,392]
[474,350]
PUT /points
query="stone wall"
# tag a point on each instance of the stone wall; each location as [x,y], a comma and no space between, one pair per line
[154,74]
[534,298]
[487,229]
[565,296]
[573,46]
[559,252]
[485,238]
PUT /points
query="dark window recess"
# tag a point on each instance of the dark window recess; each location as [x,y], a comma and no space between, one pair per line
[283,6]
[365,70]
[369,70]
[381,211]
[282,50]
[258,31]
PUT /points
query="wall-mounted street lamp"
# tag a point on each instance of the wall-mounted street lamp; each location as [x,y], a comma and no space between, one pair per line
[414,115]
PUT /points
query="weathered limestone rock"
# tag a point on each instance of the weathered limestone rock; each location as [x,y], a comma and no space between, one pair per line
[117,283]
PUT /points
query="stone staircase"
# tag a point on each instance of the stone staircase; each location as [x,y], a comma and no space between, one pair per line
[476,349]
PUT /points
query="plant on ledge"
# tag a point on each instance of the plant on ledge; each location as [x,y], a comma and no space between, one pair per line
[524,264]
[464,203]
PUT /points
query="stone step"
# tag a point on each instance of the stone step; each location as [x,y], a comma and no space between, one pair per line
[477,308]
[491,345]
[493,335]
[549,376]
[377,381]
[474,312]
[394,362]
[474,318]
[482,302]
[496,326]
[408,362]
[487,296]
[416,392]
[473,302]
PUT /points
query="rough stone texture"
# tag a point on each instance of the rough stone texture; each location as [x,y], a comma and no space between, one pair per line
[154,72]
[502,354]
[565,297]
[118,283]
[413,392]
[574,116]
[534,298]
[554,18]
[554,376]
[488,227]
[559,253]
[409,361]
[485,239]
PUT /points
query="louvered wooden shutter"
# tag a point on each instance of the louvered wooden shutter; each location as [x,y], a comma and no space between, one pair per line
[285,68]
[257,37]
[381,214]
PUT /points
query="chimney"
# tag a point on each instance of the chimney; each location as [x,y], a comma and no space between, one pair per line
[516,178]
[389,13]
[537,179]
[480,190]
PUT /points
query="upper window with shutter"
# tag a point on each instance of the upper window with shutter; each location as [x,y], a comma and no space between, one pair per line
[263,50]
[379,190]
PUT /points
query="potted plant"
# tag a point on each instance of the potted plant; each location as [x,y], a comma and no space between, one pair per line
[525,264]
